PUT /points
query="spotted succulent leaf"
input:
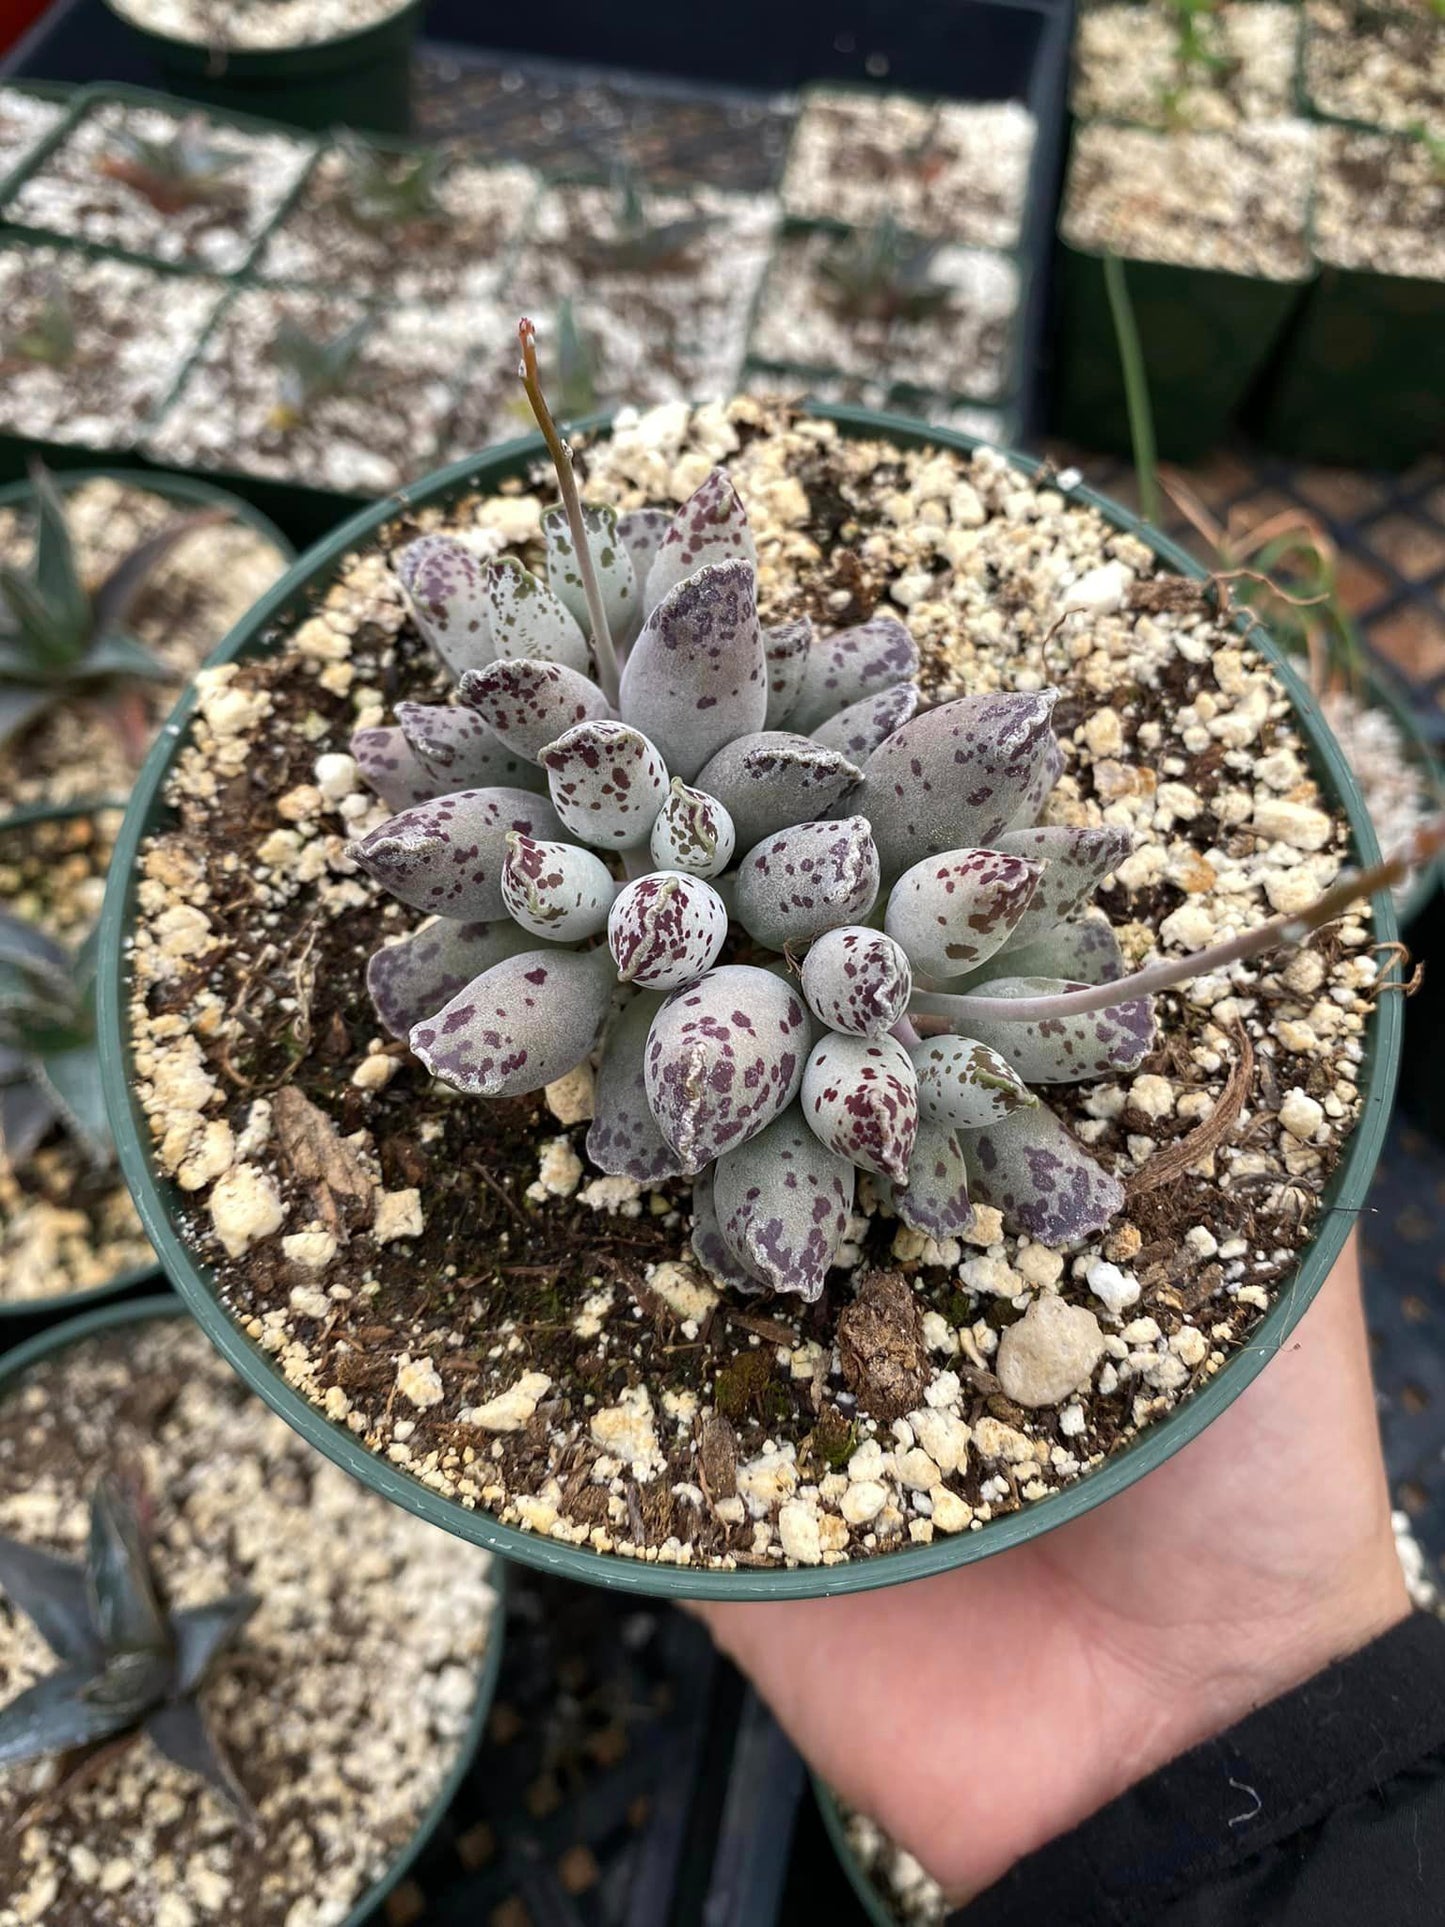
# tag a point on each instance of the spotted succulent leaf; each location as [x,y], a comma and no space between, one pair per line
[410,979]
[843,668]
[696,676]
[521,1025]
[528,620]
[1041,1178]
[862,726]
[556,890]
[1067,1050]
[527,704]
[692,832]
[860,1098]
[803,881]
[964,1084]
[456,748]
[724,1058]
[641,533]
[665,930]
[955,777]
[857,980]
[1075,862]
[771,780]
[1040,786]
[391,767]
[611,561]
[444,585]
[710,528]
[607,783]
[1084,950]
[952,911]
[782,1203]
[445,857]
[785,647]
[935,1199]
[709,1247]
[623,1139]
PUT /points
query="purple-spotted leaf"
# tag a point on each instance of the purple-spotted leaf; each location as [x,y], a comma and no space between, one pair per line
[785,646]
[782,1203]
[391,767]
[623,1139]
[524,1023]
[642,532]
[709,1246]
[411,979]
[607,783]
[1040,788]
[666,930]
[692,832]
[444,585]
[696,677]
[950,912]
[529,704]
[445,857]
[1041,1178]
[1076,861]
[724,1057]
[616,577]
[965,1084]
[843,668]
[803,881]
[711,526]
[773,779]
[935,1199]
[556,890]
[1065,1050]
[954,777]
[454,745]
[528,620]
[861,1100]
[862,726]
[857,980]
[1084,950]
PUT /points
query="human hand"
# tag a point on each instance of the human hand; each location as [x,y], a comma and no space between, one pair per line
[979,1714]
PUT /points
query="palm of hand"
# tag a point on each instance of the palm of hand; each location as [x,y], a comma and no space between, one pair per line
[981,1713]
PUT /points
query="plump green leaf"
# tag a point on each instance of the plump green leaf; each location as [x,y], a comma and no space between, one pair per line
[623,1139]
[445,586]
[607,783]
[123,1600]
[782,1203]
[1041,1178]
[697,677]
[951,911]
[611,561]
[771,779]
[666,929]
[1065,1050]
[528,620]
[445,857]
[860,1098]
[710,529]
[527,705]
[556,890]
[964,1084]
[803,881]
[52,1594]
[526,1022]
[692,832]
[202,1634]
[857,980]
[412,979]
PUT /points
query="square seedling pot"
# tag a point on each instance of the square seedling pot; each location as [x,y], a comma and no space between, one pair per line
[21,154]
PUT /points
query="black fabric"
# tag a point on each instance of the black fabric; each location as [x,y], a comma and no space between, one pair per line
[1325,1808]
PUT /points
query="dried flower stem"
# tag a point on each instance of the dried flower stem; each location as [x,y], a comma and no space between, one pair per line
[1426,842]
[608,673]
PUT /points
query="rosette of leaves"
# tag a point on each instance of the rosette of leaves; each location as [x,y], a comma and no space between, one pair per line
[390,190]
[129,1663]
[735,860]
[183,169]
[884,274]
[60,637]
[49,1057]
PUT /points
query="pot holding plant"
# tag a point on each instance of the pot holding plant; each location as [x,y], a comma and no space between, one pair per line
[840,1301]
[224,1692]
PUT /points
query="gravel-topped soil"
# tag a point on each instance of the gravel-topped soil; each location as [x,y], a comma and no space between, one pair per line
[342,1705]
[25,121]
[91,187]
[446,1277]
[1380,204]
[960,345]
[1384,65]
[64,1227]
[241,23]
[1399,794]
[133,330]
[462,249]
[204,586]
[1128,65]
[954,171]
[1238,202]
[852,391]
[381,427]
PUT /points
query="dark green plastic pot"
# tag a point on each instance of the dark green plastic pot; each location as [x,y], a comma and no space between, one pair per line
[1206,337]
[23,1318]
[870,1898]
[113,1318]
[355,80]
[163,1209]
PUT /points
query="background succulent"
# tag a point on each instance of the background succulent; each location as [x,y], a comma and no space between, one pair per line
[387,190]
[128,1663]
[181,170]
[309,368]
[59,637]
[49,1059]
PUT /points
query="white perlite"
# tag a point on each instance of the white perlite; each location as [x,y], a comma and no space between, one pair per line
[1396,788]
[1049,1353]
[241,23]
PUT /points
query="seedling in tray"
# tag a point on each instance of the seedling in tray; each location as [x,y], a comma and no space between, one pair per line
[178,170]
[387,190]
[309,369]
[49,336]
[638,245]
[884,275]
[49,1063]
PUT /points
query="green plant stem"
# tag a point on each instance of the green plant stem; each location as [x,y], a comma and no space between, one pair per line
[1136,387]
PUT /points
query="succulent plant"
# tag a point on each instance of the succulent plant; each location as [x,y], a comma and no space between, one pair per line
[49,338]
[310,368]
[129,1663]
[638,244]
[60,638]
[883,274]
[182,170]
[49,1058]
[738,858]
[386,190]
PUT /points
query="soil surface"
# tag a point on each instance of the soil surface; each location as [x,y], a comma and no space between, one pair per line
[25,121]
[64,1226]
[449,1281]
[1380,204]
[1133,64]
[1380,64]
[81,749]
[241,23]
[341,1706]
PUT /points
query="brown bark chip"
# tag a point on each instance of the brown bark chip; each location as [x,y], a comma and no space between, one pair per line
[718,1457]
[314,1152]
[880,1343]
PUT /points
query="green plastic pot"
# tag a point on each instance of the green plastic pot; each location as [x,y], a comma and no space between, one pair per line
[163,1209]
[358,79]
[870,1898]
[112,1318]
[1206,338]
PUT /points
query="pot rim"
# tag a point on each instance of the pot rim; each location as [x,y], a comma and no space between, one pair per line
[1158,1442]
[140,1311]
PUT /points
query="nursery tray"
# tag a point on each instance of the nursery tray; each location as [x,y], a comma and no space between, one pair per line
[63,94]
